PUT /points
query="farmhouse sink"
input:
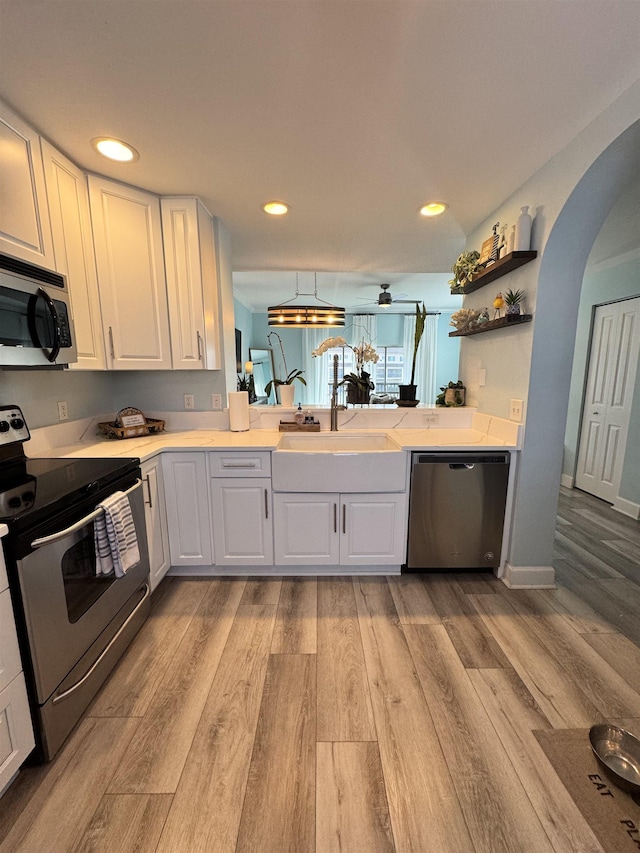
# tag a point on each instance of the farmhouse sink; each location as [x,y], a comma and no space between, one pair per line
[338,462]
[336,442]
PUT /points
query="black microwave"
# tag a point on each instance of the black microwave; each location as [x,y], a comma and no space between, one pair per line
[36,329]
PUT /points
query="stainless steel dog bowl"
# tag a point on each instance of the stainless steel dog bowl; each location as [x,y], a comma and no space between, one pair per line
[619,753]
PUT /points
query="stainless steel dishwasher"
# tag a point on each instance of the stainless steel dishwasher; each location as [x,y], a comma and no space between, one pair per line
[456,510]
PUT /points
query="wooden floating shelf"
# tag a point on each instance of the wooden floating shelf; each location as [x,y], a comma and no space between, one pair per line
[500,323]
[505,265]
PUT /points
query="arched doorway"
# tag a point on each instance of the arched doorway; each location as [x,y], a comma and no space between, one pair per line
[559,284]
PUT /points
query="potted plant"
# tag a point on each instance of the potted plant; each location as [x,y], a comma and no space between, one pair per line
[286,397]
[513,299]
[464,269]
[358,384]
[407,393]
[452,394]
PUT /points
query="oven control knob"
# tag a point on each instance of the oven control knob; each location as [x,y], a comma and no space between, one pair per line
[14,502]
[4,426]
[28,497]
[17,423]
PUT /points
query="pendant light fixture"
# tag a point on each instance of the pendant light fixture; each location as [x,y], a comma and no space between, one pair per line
[317,316]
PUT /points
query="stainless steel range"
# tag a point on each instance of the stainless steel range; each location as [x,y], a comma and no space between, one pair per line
[74,621]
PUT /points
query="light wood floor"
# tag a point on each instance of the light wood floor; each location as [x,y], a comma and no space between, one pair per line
[350,714]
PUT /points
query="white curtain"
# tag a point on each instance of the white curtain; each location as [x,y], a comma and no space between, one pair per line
[315,369]
[425,378]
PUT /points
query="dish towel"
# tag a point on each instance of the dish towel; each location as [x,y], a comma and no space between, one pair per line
[115,537]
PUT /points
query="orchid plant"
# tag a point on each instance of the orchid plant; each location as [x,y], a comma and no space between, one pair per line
[364,353]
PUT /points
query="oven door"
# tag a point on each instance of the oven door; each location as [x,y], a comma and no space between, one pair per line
[66,605]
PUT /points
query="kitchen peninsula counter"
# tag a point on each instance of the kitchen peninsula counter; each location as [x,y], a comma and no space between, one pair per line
[460,430]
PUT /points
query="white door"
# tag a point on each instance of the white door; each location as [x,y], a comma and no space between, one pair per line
[156,520]
[187,500]
[306,529]
[25,229]
[607,405]
[73,244]
[242,525]
[127,234]
[373,529]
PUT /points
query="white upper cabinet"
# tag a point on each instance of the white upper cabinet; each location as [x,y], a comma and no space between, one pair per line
[25,231]
[127,235]
[192,283]
[73,246]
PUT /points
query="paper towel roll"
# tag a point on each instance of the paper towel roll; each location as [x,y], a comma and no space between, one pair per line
[238,411]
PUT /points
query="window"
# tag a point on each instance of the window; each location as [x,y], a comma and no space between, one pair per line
[386,373]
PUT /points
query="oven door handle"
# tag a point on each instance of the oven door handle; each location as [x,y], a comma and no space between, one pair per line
[51,307]
[55,537]
[60,696]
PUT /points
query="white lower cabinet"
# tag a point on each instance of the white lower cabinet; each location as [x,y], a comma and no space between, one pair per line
[156,520]
[16,732]
[186,490]
[333,529]
[242,525]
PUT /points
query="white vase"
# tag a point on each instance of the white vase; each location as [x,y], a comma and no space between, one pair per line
[511,240]
[286,394]
[523,231]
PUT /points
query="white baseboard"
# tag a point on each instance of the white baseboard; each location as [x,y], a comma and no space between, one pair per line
[627,508]
[529,577]
[567,481]
[278,571]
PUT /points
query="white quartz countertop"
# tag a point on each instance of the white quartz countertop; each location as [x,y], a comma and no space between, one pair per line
[146,447]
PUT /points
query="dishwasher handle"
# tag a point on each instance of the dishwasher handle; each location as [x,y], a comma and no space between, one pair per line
[459,466]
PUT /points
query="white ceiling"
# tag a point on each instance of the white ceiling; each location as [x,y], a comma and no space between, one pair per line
[353,111]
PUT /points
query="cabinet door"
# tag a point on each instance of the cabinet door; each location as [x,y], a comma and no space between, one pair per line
[10,663]
[192,286]
[187,501]
[156,520]
[373,529]
[127,235]
[306,529]
[16,732]
[25,230]
[73,246]
[242,524]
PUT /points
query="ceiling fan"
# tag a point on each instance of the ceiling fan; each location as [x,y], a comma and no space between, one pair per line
[385,299]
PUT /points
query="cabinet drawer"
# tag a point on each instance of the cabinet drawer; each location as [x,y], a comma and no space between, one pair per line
[240,463]
[10,664]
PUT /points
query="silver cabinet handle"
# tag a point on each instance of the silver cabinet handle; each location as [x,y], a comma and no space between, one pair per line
[335,518]
[148,482]
[239,465]
[60,696]
[113,351]
[55,537]
[344,518]
[199,339]
[266,503]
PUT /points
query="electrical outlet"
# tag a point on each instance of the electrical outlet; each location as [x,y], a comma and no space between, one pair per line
[63,412]
[189,402]
[216,401]
[515,411]
[431,420]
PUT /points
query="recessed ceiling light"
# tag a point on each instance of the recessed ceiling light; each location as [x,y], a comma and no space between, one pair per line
[276,208]
[433,208]
[115,149]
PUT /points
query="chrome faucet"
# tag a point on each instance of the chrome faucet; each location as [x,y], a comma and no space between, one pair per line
[334,396]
